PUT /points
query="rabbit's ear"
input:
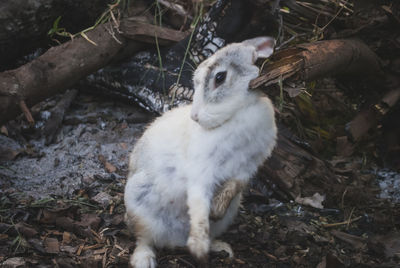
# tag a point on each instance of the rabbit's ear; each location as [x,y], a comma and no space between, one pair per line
[264,45]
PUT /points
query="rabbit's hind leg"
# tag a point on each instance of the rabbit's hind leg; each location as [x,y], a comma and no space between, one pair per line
[144,255]
[223,197]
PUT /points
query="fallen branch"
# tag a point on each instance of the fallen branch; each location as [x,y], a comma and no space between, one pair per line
[57,115]
[137,29]
[62,66]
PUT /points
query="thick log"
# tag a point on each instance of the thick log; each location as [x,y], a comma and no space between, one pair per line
[314,60]
[57,69]
[24,24]
[62,66]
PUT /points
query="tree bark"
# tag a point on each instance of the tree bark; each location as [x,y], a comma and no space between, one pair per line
[314,60]
[57,69]
[24,24]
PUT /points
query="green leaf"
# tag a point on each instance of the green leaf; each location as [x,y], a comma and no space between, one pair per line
[55,26]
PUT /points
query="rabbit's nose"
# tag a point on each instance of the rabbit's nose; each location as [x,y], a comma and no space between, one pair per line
[194,116]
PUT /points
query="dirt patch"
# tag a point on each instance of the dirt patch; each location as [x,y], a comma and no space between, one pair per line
[62,206]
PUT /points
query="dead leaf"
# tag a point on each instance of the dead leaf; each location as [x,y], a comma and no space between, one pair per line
[117,219]
[66,238]
[3,130]
[74,227]
[390,244]
[66,223]
[330,261]
[314,201]
[344,147]
[68,249]
[14,263]
[91,220]
[355,241]
[26,230]
[103,199]
[91,261]
[37,245]
[108,166]
[48,217]
[293,92]
[51,245]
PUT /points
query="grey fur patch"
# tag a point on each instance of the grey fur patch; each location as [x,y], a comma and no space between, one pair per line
[170,170]
[143,191]
[238,69]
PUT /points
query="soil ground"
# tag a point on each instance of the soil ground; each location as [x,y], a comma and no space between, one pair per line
[61,205]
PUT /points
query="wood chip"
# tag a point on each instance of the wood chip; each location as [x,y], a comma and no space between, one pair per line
[239,261]
[100,251]
[3,130]
[93,247]
[3,236]
[80,250]
[66,238]
[51,245]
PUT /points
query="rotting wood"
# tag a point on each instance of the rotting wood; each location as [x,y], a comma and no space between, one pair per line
[314,60]
[295,170]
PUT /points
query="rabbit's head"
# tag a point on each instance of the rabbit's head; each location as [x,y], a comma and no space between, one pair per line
[221,82]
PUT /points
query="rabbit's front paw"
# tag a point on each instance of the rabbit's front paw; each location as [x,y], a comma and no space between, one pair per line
[143,257]
[199,245]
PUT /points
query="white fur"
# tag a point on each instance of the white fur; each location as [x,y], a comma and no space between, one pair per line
[177,164]
[218,245]
[143,257]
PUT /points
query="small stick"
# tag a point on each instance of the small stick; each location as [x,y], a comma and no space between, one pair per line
[26,112]
[341,223]
[351,215]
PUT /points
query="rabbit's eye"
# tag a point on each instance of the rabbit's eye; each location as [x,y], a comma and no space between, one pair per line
[220,78]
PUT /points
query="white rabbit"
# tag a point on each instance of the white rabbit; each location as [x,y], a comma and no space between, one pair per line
[178,165]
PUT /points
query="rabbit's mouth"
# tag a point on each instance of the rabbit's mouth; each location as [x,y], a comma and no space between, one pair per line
[211,119]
